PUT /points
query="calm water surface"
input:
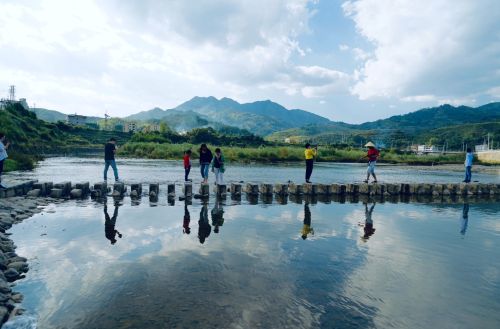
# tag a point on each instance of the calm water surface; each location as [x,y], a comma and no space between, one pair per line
[163,171]
[126,265]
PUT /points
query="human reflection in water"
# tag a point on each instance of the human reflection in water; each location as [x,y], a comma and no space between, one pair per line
[204,227]
[187,218]
[465,219]
[217,216]
[109,224]
[307,229]
[368,227]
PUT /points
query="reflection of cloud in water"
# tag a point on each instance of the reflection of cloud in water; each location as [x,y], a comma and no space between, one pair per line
[189,290]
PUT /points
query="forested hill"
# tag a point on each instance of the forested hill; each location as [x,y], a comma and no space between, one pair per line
[436,117]
[31,136]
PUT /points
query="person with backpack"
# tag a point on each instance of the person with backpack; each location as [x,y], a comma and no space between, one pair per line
[218,167]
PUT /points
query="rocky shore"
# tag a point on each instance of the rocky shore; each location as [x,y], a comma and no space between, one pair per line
[12,266]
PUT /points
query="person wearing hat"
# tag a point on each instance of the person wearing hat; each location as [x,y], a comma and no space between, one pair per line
[372,156]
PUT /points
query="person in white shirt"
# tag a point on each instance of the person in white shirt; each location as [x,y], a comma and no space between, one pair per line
[3,155]
[469,157]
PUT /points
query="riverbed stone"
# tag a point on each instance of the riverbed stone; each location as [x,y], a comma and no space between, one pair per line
[76,193]
[154,187]
[310,188]
[281,189]
[102,187]
[64,186]
[366,188]
[20,267]
[187,189]
[295,189]
[235,189]
[137,187]
[11,274]
[324,189]
[5,287]
[251,188]
[266,189]
[56,193]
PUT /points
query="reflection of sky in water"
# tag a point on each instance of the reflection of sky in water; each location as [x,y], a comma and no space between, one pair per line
[416,271]
[135,171]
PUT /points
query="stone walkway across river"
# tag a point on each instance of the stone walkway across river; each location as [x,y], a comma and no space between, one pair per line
[68,190]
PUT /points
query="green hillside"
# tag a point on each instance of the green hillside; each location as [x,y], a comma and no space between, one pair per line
[31,137]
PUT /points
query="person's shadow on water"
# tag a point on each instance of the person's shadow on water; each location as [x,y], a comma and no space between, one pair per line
[306,228]
[368,228]
[204,227]
[465,219]
[187,219]
[109,224]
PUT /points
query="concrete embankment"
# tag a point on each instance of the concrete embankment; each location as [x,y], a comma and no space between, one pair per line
[490,157]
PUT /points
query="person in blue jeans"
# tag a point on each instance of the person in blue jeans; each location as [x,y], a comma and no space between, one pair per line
[469,157]
[205,160]
[109,158]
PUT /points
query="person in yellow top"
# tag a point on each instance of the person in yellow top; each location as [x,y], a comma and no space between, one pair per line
[310,154]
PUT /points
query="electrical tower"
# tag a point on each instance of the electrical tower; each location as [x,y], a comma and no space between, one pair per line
[106,117]
[12,93]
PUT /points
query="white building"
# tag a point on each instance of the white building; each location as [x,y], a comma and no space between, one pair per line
[422,149]
[77,120]
[130,127]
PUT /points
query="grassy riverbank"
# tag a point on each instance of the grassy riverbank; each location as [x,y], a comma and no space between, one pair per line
[280,154]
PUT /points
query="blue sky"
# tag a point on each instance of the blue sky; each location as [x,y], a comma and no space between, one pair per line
[351,61]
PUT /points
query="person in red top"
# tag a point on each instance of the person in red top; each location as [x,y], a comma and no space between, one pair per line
[372,156]
[187,165]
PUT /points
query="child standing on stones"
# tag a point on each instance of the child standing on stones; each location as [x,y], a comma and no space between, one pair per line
[205,159]
[3,155]
[218,167]
[187,165]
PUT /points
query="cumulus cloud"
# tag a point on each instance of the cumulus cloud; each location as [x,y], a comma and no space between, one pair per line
[138,54]
[443,49]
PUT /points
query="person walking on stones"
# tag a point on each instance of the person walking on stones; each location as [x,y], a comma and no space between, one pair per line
[3,156]
[187,165]
[469,158]
[372,156]
[310,154]
[109,224]
[205,160]
[109,158]
[218,167]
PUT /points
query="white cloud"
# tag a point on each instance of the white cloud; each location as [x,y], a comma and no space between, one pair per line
[447,48]
[139,54]
[494,92]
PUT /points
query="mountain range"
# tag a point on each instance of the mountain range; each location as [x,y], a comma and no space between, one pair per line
[261,117]
[270,119]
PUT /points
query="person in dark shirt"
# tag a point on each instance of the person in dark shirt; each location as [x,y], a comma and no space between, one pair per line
[205,160]
[109,225]
[109,158]
[306,228]
[217,216]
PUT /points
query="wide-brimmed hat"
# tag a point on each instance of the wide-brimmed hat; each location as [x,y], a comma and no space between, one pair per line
[369,144]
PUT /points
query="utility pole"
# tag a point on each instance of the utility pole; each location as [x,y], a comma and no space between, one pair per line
[12,93]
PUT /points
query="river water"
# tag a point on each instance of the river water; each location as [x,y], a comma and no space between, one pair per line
[232,264]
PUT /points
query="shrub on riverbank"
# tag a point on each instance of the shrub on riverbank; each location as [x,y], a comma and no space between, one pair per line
[18,161]
[280,154]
